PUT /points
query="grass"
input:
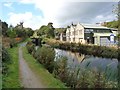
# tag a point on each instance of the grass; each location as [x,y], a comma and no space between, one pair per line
[0,80]
[12,79]
[47,79]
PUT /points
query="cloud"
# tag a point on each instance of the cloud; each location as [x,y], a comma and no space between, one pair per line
[8,4]
[62,12]
[103,18]
[28,18]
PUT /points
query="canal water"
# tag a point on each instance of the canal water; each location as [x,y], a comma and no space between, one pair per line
[90,62]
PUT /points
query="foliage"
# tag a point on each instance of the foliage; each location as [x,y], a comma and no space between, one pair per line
[112,24]
[45,56]
[4,28]
[46,31]
[78,77]
[13,43]
[29,31]
[5,61]
[20,32]
[23,32]
[30,47]
[100,51]
[11,33]
[58,31]
[47,79]
[11,78]
[60,68]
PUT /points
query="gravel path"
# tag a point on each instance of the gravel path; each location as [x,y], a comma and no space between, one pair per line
[27,77]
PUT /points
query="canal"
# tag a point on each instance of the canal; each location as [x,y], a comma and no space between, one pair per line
[89,62]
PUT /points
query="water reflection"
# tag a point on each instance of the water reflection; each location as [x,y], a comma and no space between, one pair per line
[89,62]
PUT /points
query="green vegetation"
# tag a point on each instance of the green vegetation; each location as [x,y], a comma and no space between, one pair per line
[11,76]
[78,77]
[112,24]
[13,35]
[100,51]
[45,56]
[60,69]
[46,31]
[58,31]
[4,28]
[30,47]
[5,61]
[47,78]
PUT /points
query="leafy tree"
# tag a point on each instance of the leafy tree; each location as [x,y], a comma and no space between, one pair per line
[20,32]
[46,31]
[4,28]
[11,33]
[29,32]
[112,24]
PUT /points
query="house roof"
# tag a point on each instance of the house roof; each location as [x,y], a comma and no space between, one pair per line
[94,26]
[103,34]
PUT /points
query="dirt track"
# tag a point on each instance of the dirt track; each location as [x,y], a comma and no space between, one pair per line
[27,77]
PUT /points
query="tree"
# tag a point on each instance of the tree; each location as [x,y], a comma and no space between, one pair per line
[29,32]
[112,24]
[46,31]
[11,33]
[4,28]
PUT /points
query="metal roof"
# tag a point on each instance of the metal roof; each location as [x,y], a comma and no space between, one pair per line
[93,26]
[103,34]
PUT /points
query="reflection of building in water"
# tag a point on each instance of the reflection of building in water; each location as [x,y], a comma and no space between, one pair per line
[80,58]
[76,56]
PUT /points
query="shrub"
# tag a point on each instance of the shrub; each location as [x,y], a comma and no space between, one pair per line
[60,68]
[100,51]
[30,47]
[5,61]
[13,43]
[78,77]
[45,55]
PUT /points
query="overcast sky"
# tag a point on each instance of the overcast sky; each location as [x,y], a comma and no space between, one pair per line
[35,13]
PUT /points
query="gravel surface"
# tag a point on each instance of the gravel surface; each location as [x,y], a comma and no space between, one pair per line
[27,77]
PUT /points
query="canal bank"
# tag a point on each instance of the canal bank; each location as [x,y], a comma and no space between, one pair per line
[105,65]
[99,51]
[86,70]
[76,74]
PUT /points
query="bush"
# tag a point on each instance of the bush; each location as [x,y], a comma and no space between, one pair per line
[78,77]
[45,56]
[30,47]
[60,68]
[13,43]
[5,61]
[100,51]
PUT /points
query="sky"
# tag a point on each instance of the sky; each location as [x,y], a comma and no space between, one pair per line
[35,13]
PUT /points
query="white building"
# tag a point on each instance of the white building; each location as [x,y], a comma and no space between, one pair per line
[87,33]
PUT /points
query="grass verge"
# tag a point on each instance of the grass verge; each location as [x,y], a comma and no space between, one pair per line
[47,79]
[12,79]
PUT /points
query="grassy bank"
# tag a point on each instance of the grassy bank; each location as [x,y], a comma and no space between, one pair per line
[46,77]
[99,51]
[11,80]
